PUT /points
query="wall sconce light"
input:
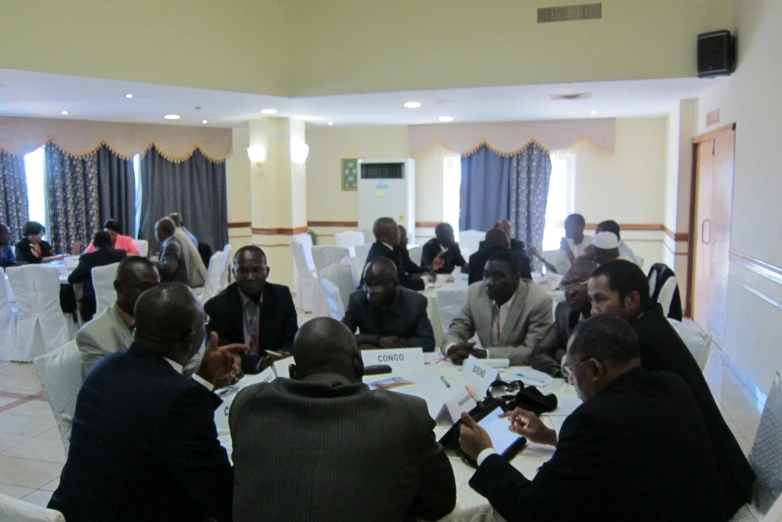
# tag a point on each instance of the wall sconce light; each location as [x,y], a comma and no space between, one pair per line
[299,151]
[257,154]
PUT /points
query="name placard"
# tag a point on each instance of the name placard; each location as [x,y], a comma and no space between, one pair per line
[281,367]
[479,374]
[460,401]
[399,359]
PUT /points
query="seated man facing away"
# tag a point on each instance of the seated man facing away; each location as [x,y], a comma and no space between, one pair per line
[254,312]
[613,226]
[7,257]
[572,246]
[144,444]
[621,288]
[496,241]
[506,226]
[547,355]
[386,315]
[112,330]
[510,315]
[636,449]
[443,246]
[354,454]
[118,241]
[604,248]
[174,258]
[104,255]
[386,242]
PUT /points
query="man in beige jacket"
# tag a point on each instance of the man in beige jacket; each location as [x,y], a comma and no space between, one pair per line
[510,315]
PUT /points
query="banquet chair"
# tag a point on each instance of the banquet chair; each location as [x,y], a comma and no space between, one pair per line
[306,284]
[336,307]
[7,319]
[320,301]
[305,240]
[103,281]
[696,340]
[15,510]
[471,240]
[349,238]
[61,379]
[142,245]
[341,276]
[326,255]
[450,302]
[41,325]
[416,253]
[362,252]
[228,261]
[214,277]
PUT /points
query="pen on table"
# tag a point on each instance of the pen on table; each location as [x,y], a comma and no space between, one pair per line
[276,354]
[472,393]
[529,378]
[447,384]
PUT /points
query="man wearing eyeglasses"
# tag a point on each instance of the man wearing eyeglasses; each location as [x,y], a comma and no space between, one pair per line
[636,449]
[547,355]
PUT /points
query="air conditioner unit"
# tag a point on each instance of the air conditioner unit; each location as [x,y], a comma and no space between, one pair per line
[386,188]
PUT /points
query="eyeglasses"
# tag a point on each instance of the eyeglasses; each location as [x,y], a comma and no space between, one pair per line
[566,287]
[567,370]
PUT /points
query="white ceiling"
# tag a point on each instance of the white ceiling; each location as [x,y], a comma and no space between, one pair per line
[47,95]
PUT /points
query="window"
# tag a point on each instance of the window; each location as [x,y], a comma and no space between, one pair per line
[452,183]
[560,199]
[36,197]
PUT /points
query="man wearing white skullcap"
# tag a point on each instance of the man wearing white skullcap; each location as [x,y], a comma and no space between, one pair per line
[604,248]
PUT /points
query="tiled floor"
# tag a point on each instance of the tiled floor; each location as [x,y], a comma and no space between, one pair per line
[31,453]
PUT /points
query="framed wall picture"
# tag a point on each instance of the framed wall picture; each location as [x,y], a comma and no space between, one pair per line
[349,173]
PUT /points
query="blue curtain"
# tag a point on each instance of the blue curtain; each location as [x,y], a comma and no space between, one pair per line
[529,183]
[117,189]
[13,194]
[485,189]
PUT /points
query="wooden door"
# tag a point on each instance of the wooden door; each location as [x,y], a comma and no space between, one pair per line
[701,247]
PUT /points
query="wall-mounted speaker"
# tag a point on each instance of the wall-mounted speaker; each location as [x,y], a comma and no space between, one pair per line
[716,54]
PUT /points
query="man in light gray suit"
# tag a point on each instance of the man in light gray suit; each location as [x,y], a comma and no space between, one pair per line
[510,315]
[323,446]
[112,330]
[174,257]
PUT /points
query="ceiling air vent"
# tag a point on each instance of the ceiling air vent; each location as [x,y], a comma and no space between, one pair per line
[570,13]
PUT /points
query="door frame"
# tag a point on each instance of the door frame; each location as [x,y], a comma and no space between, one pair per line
[721,132]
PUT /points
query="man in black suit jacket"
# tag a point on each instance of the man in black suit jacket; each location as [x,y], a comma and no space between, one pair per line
[104,255]
[144,444]
[515,245]
[496,241]
[443,246]
[386,315]
[636,449]
[620,287]
[254,312]
[408,266]
[323,446]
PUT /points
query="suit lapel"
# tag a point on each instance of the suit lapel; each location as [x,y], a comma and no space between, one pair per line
[514,314]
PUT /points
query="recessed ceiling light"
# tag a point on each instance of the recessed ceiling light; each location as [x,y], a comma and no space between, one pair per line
[331,123]
[64,113]
[412,105]
[594,112]
[445,118]
[128,96]
[172,116]
[204,121]
[269,111]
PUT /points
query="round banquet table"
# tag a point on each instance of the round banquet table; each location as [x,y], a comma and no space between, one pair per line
[470,506]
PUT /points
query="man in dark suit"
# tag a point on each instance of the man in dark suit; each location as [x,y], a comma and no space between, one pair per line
[443,246]
[547,355]
[144,444]
[386,315]
[407,264]
[254,312]
[620,287]
[105,254]
[515,245]
[496,241]
[636,449]
[353,454]
[174,259]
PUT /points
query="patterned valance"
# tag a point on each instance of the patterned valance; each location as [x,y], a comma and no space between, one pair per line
[508,139]
[78,138]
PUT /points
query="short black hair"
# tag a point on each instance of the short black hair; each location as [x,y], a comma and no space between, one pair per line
[625,277]
[381,224]
[113,225]
[606,337]
[32,228]
[496,236]
[608,226]
[101,239]
[127,265]
[249,248]
[578,218]
[511,260]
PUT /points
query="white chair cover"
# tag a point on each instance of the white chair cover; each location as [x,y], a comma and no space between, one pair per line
[142,245]
[306,283]
[349,238]
[305,240]
[7,319]
[666,294]
[15,510]
[639,261]
[215,276]
[228,260]
[336,308]
[362,252]
[696,340]
[320,301]
[416,253]
[341,276]
[41,326]
[103,281]
[471,239]
[61,379]
[327,255]
[450,302]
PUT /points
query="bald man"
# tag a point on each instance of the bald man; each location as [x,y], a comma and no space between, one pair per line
[506,226]
[144,444]
[387,315]
[323,446]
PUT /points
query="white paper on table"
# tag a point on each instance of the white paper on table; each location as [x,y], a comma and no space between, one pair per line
[529,377]
[282,367]
[497,363]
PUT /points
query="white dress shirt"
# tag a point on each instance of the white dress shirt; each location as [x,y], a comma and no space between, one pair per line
[179,369]
[562,262]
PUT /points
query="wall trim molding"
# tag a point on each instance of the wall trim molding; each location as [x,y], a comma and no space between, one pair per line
[757,266]
[278,231]
[240,224]
[720,132]
[676,236]
[348,224]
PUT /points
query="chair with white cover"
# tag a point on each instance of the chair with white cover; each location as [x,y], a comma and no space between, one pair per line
[416,253]
[327,255]
[305,240]
[228,261]
[15,510]
[61,379]
[306,285]
[471,240]
[142,245]
[696,340]
[103,281]
[7,319]
[41,326]
[362,253]
[341,276]
[349,238]
[214,277]
[336,308]
[450,302]
[320,301]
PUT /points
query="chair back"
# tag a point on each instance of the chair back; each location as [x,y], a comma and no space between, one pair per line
[336,307]
[305,240]
[450,302]
[15,510]
[341,276]
[320,301]
[471,240]
[326,255]
[349,238]
[765,457]
[215,276]
[142,245]
[362,252]
[416,253]
[7,319]
[696,340]
[61,380]
[228,260]
[103,281]
[305,283]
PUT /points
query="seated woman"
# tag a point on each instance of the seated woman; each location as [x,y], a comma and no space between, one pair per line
[118,241]
[32,249]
